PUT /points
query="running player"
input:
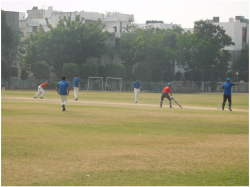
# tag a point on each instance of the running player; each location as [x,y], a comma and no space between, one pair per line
[136,86]
[227,93]
[63,90]
[41,90]
[77,86]
[165,94]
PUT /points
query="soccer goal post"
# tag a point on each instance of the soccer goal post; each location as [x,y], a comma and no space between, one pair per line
[95,83]
[113,84]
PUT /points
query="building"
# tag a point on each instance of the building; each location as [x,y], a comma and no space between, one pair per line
[158,24]
[36,17]
[238,30]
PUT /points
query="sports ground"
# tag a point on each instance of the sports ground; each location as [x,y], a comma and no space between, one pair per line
[105,139]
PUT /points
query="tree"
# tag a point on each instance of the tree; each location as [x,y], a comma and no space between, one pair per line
[70,41]
[100,71]
[88,69]
[153,46]
[115,70]
[120,70]
[203,51]
[242,66]
[41,70]
[168,76]
[24,75]
[70,70]
[156,75]
[141,71]
[178,76]
[10,40]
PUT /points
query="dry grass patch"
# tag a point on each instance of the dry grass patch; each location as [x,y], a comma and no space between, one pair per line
[46,146]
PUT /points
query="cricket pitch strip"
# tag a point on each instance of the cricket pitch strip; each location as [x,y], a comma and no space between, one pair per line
[114,104]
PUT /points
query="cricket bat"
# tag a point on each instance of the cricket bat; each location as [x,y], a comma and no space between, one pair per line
[177,103]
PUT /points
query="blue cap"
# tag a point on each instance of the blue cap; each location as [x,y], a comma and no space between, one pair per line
[169,84]
[228,79]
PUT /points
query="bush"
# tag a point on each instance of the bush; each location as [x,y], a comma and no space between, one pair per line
[100,71]
[129,75]
[168,76]
[70,70]
[141,71]
[115,70]
[14,72]
[41,70]
[178,76]
[88,69]
[156,75]
[24,74]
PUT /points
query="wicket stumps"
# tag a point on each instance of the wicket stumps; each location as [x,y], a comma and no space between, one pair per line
[3,91]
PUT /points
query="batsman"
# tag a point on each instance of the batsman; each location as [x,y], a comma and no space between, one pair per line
[165,94]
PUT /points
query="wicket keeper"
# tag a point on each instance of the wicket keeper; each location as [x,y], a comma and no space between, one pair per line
[227,93]
[165,94]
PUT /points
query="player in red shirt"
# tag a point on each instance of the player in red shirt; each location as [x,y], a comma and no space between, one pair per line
[41,90]
[165,94]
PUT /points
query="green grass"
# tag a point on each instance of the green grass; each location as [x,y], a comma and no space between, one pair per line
[121,144]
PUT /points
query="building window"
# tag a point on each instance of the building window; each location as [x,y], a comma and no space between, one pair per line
[34,28]
[115,29]
[244,31]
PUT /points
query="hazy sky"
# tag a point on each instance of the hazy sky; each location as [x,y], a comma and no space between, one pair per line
[183,12]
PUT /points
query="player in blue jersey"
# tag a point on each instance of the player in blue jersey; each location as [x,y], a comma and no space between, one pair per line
[63,90]
[77,86]
[227,93]
[136,86]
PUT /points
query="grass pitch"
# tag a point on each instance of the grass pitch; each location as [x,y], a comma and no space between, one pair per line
[105,139]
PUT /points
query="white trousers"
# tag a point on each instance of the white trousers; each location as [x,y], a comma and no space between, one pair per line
[76,89]
[64,99]
[40,91]
[137,91]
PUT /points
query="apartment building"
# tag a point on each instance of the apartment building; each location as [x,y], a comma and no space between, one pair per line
[158,24]
[238,30]
[36,17]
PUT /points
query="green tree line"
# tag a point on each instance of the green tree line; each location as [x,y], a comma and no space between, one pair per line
[149,53]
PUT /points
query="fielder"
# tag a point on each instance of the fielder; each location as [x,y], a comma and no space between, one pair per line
[165,94]
[77,86]
[63,90]
[227,93]
[41,90]
[136,86]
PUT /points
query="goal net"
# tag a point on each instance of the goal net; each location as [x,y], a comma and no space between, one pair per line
[95,83]
[113,84]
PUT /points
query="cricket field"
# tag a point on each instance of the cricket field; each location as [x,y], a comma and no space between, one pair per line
[106,139]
